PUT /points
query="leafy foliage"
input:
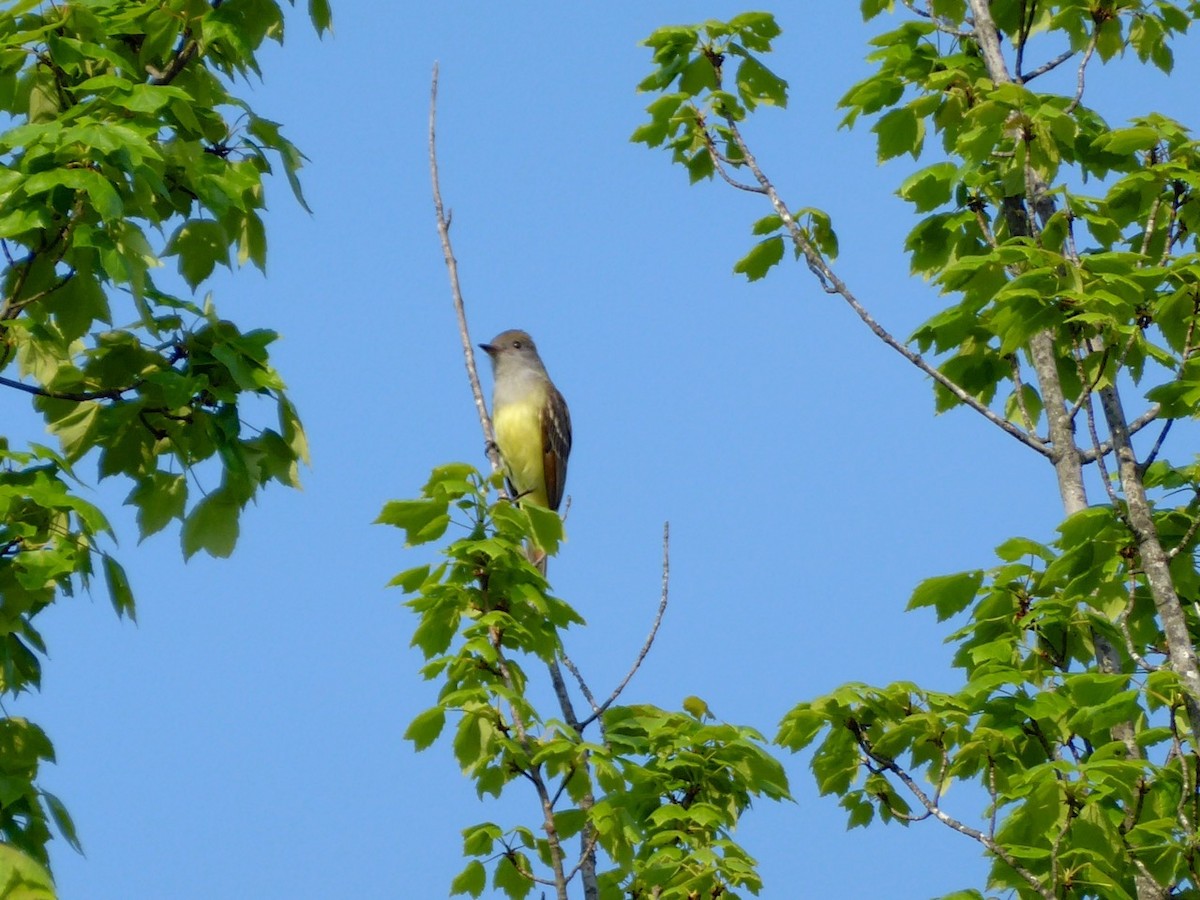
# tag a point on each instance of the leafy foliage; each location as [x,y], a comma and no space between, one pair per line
[126,147]
[1080,708]
[658,792]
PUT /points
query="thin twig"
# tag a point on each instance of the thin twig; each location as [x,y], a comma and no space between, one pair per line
[1087,55]
[583,685]
[938,23]
[13,306]
[443,227]
[1172,221]
[186,52]
[885,763]
[1189,535]
[658,617]
[1151,221]
[564,697]
[77,396]
[1019,393]
[1085,398]
[587,853]
[1049,66]
[719,160]
[835,285]
[1158,443]
[1123,625]
[1028,11]
[994,806]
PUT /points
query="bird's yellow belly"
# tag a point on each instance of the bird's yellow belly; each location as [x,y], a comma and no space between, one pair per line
[519,437]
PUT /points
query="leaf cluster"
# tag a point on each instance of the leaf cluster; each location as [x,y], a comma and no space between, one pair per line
[1088,775]
[690,120]
[1068,248]
[125,147]
[657,792]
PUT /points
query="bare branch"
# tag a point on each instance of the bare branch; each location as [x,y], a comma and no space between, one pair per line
[1123,625]
[13,306]
[1158,443]
[77,396]
[719,160]
[887,764]
[1189,535]
[1087,55]
[184,55]
[443,227]
[1140,518]
[835,285]
[658,617]
[583,685]
[1085,398]
[1048,66]
[533,772]
[940,24]
[1028,11]
[564,697]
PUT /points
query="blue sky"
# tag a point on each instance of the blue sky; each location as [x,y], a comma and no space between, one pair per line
[244,739]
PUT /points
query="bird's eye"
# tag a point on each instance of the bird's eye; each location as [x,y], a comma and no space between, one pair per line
[516,345]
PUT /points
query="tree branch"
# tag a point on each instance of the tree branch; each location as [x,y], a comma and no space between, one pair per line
[443,227]
[835,285]
[77,396]
[1087,55]
[1048,66]
[886,763]
[533,772]
[186,52]
[658,617]
[1155,563]
[940,24]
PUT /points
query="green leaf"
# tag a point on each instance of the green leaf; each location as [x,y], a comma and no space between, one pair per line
[212,526]
[410,579]
[899,131]
[755,264]
[948,594]
[756,29]
[546,526]
[697,77]
[159,498]
[471,880]
[478,840]
[62,820]
[508,878]
[758,84]
[118,588]
[1021,548]
[22,877]
[1127,140]
[422,520]
[930,187]
[426,727]
[322,19]
[200,244]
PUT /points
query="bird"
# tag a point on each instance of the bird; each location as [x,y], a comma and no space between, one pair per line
[531,420]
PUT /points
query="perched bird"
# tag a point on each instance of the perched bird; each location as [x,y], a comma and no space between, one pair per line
[530,417]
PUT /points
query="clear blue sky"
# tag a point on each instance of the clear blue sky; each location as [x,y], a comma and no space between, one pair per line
[244,738]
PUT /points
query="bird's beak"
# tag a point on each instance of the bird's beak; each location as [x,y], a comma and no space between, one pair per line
[489,349]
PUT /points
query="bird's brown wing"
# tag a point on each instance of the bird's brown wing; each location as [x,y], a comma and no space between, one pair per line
[556,446]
